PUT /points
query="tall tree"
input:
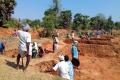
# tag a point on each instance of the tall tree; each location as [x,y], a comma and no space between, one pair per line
[110,24]
[117,25]
[98,22]
[56,6]
[80,21]
[6,9]
[65,18]
[49,21]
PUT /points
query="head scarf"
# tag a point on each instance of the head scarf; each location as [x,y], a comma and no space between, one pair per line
[25,27]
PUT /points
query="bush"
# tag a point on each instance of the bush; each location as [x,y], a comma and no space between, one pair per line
[11,23]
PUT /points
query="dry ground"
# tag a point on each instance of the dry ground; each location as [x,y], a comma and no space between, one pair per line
[98,62]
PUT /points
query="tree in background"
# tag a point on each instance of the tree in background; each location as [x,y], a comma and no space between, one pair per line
[56,6]
[98,22]
[110,24]
[6,9]
[65,19]
[117,25]
[80,21]
[11,23]
[35,24]
[49,21]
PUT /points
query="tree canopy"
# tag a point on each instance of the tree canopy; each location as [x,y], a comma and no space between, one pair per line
[6,9]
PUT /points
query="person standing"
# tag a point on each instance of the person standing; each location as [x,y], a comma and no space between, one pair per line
[2,47]
[72,35]
[75,54]
[71,70]
[25,47]
[55,43]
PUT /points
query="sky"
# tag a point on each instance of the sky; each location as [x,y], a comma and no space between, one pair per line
[34,9]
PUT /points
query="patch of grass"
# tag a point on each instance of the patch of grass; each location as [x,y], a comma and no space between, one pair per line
[9,73]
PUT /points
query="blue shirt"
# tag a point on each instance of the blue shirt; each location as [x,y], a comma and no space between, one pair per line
[74,52]
[71,70]
[1,45]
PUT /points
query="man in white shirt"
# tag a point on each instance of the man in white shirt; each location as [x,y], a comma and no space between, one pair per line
[25,48]
[55,43]
[62,67]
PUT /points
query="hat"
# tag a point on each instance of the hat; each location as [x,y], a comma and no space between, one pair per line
[25,27]
[61,57]
[39,45]
[75,41]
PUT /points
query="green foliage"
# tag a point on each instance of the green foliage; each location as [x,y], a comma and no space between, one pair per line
[80,21]
[56,6]
[65,19]
[98,22]
[11,23]
[6,9]
[35,24]
[50,21]
[117,25]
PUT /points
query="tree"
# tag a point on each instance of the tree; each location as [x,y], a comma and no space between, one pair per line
[65,19]
[117,25]
[56,6]
[80,21]
[11,23]
[110,24]
[49,21]
[6,9]
[33,23]
[98,22]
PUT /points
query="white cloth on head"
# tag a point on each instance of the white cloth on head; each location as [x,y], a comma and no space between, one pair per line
[63,69]
[39,45]
[25,27]
[61,57]
[75,41]
[24,38]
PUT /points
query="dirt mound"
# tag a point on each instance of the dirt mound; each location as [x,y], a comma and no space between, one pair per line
[103,39]
[46,65]
[96,50]
[92,41]
[5,32]
[11,53]
[99,42]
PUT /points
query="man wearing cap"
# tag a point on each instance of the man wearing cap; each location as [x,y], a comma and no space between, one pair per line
[75,59]
[62,67]
[25,47]
[75,50]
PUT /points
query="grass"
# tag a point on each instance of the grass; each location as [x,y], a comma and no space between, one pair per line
[8,72]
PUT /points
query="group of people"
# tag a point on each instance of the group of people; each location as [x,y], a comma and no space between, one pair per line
[28,49]
[65,66]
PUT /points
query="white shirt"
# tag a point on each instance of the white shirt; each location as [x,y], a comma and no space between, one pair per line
[24,37]
[63,69]
[35,46]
